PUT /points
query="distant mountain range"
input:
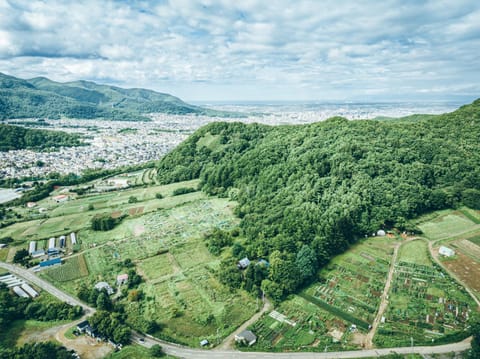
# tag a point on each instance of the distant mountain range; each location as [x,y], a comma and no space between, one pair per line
[43,98]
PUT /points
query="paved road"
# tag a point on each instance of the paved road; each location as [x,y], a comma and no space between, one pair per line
[184,352]
[188,353]
[31,277]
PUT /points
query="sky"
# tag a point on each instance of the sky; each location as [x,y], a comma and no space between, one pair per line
[251,50]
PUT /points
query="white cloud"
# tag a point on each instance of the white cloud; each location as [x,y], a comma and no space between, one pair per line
[255,48]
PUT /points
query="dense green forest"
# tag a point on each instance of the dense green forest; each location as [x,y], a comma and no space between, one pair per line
[18,138]
[41,97]
[308,192]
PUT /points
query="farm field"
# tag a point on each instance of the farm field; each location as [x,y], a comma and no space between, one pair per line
[415,252]
[425,303]
[353,282]
[166,247]
[299,325]
[348,292]
[449,223]
[466,262]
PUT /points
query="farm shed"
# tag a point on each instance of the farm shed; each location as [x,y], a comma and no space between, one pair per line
[50,262]
[73,238]
[204,342]
[381,233]
[62,241]
[20,292]
[51,243]
[38,253]
[445,251]
[246,337]
[60,198]
[122,279]
[104,285]
[243,263]
[32,292]
[32,247]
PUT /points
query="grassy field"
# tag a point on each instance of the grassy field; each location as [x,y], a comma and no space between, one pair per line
[415,252]
[163,238]
[134,352]
[448,224]
[74,215]
[73,268]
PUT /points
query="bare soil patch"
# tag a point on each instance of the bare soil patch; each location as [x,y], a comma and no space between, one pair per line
[465,268]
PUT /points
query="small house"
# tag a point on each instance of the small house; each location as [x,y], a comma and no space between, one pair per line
[84,327]
[243,263]
[445,251]
[246,337]
[204,343]
[104,286]
[122,279]
[32,246]
[60,198]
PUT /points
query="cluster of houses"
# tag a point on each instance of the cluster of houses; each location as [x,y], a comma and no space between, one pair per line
[55,248]
[19,286]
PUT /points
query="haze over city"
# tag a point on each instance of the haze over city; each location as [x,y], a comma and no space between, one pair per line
[251,50]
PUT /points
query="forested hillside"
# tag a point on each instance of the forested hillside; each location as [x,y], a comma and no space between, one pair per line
[41,97]
[17,138]
[307,192]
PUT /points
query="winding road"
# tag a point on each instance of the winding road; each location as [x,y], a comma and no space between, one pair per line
[184,352]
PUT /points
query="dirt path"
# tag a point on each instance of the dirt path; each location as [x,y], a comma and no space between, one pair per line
[368,341]
[228,342]
[434,255]
[86,347]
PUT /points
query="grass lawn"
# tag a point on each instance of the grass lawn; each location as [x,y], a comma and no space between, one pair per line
[19,332]
[3,254]
[134,352]
[448,225]
[415,252]
[156,267]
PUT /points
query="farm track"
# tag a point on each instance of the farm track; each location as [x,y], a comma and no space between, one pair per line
[228,341]
[368,341]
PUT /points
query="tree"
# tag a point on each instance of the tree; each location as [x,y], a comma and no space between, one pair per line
[471,198]
[103,301]
[21,256]
[158,195]
[306,263]
[156,351]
